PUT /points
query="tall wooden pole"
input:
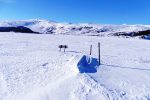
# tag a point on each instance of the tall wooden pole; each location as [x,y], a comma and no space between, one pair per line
[91,50]
[99,53]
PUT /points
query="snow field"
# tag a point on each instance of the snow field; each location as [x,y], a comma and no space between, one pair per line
[33,68]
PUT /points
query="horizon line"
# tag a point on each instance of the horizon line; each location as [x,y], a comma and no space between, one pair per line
[67,22]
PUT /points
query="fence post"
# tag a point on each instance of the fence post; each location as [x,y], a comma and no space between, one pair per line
[91,50]
[65,47]
[99,53]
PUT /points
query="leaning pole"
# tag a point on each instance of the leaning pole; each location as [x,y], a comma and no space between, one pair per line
[99,53]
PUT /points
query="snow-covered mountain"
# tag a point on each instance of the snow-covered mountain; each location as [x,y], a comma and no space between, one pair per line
[50,27]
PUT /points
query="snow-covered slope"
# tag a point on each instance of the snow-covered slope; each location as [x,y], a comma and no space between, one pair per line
[33,68]
[44,26]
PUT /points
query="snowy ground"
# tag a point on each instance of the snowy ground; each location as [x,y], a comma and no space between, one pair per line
[32,68]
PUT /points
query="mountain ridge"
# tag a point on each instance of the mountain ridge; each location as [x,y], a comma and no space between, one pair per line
[52,27]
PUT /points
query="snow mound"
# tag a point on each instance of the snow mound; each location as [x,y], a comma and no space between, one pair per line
[72,65]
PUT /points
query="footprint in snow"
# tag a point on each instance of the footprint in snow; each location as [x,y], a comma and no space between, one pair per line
[45,64]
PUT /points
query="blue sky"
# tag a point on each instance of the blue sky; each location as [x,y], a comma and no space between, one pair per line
[78,11]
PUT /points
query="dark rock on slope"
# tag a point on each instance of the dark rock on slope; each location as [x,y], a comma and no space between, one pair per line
[133,34]
[21,29]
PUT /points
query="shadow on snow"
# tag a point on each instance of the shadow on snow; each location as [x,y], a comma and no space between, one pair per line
[116,66]
[88,64]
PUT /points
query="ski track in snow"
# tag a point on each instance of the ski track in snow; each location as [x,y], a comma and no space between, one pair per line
[32,68]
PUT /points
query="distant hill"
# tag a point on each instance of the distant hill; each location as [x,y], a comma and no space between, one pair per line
[50,27]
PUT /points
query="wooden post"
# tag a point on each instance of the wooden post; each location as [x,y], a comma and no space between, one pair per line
[91,50]
[99,54]
[64,49]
